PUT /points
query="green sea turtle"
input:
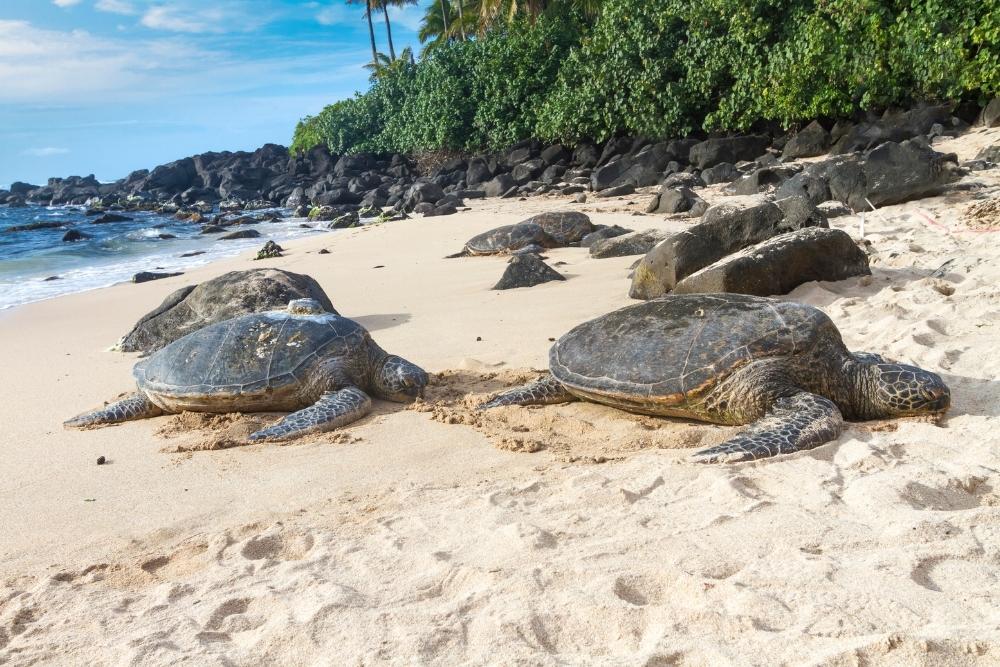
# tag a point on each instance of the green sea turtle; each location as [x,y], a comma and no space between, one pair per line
[545,230]
[319,366]
[731,359]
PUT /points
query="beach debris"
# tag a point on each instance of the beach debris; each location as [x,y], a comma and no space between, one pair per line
[323,251]
[269,251]
[271,361]
[101,460]
[230,295]
[710,357]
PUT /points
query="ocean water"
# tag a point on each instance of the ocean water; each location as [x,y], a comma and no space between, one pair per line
[115,252]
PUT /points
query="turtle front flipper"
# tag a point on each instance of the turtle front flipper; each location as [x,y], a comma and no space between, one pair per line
[333,409]
[793,423]
[133,406]
[544,391]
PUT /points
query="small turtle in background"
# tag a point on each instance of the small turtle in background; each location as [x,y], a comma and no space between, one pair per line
[319,366]
[778,366]
[546,230]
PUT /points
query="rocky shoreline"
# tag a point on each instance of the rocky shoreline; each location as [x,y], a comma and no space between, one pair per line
[346,188]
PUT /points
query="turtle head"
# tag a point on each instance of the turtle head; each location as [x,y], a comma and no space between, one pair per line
[899,390]
[397,379]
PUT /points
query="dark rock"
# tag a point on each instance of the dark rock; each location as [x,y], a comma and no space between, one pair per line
[193,254]
[146,276]
[241,234]
[675,200]
[782,263]
[165,237]
[564,227]
[478,171]
[990,154]
[323,251]
[833,209]
[586,155]
[684,179]
[893,126]
[810,141]
[230,295]
[761,180]
[724,172]
[422,192]
[499,185]
[51,278]
[110,217]
[711,152]
[33,226]
[603,232]
[806,185]
[633,243]
[527,170]
[555,154]
[617,191]
[991,116]
[572,189]
[470,194]
[888,174]
[21,188]
[212,229]
[269,251]
[510,193]
[74,235]
[724,229]
[527,270]
[552,174]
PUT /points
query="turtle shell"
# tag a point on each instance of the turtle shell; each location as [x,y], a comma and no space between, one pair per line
[255,362]
[671,350]
[509,238]
[565,227]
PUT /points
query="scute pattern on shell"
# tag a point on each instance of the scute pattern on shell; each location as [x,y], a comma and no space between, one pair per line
[249,354]
[676,347]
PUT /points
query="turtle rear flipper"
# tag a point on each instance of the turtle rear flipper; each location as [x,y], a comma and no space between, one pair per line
[133,406]
[544,391]
[793,423]
[333,409]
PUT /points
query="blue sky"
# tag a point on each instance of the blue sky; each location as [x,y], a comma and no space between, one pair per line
[109,86]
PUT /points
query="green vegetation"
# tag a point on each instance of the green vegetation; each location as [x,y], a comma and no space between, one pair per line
[498,71]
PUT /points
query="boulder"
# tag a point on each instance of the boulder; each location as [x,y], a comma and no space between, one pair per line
[724,229]
[991,116]
[683,179]
[888,174]
[761,180]
[780,264]
[676,200]
[527,170]
[110,217]
[241,234]
[420,193]
[230,295]
[269,251]
[616,191]
[810,141]
[893,126]
[806,185]
[603,232]
[499,185]
[711,152]
[990,154]
[146,276]
[478,171]
[555,154]
[586,155]
[723,172]
[634,243]
[565,228]
[527,270]
[74,235]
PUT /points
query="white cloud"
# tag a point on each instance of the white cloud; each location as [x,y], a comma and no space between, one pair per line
[410,16]
[65,3]
[338,14]
[47,151]
[116,7]
[221,17]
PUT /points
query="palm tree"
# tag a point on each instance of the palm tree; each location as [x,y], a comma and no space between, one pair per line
[384,6]
[371,28]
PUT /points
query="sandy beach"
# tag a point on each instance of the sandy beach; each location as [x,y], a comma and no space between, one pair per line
[569,534]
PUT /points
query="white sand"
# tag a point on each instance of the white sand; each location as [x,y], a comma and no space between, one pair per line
[407,540]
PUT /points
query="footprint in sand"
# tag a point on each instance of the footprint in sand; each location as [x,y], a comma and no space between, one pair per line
[944,574]
[638,590]
[278,546]
[237,615]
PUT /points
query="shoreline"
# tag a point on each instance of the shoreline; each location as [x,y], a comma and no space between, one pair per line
[408,539]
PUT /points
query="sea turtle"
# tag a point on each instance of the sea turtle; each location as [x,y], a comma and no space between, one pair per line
[731,359]
[565,227]
[546,230]
[320,366]
[507,239]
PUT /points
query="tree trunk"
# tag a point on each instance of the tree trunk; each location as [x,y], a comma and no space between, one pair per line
[388,31]
[371,31]
[461,19]
[444,20]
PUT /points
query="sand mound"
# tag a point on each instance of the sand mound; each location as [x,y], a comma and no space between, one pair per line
[983,215]
[572,432]
[199,431]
